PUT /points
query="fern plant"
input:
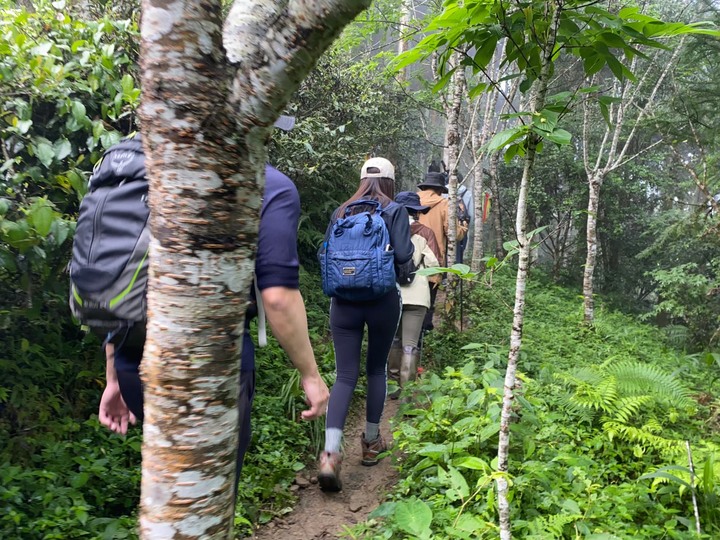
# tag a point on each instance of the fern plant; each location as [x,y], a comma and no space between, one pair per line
[633,401]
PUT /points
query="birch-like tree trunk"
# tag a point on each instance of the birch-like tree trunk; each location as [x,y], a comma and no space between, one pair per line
[537,97]
[206,117]
[612,152]
[452,131]
[478,187]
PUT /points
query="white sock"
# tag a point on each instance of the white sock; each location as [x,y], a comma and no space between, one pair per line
[333,438]
[372,431]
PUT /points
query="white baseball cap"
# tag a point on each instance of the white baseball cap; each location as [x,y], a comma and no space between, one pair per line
[377,167]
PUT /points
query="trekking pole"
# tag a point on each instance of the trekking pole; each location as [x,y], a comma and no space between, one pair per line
[461,304]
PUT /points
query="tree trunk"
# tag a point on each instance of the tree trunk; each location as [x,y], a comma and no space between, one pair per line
[478,188]
[595,182]
[495,206]
[537,103]
[453,154]
[205,123]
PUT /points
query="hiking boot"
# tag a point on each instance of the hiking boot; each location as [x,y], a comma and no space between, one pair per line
[329,473]
[371,450]
[393,367]
[409,364]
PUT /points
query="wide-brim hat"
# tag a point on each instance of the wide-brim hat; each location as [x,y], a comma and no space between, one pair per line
[434,180]
[411,201]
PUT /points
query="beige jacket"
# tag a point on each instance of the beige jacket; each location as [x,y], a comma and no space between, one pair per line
[418,292]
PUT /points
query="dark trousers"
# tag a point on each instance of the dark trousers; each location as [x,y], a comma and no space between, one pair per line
[127,365]
[347,322]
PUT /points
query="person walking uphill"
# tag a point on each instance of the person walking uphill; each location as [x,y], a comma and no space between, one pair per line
[405,353]
[431,192]
[366,253]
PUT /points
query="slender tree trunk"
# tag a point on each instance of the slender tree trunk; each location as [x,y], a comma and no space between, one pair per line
[479,198]
[612,152]
[453,149]
[595,183]
[495,206]
[205,119]
[537,103]
[406,15]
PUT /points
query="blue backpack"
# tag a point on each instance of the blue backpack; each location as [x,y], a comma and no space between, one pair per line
[357,262]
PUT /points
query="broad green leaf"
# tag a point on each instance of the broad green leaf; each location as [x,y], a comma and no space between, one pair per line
[45,153]
[505,137]
[413,517]
[62,148]
[559,136]
[458,483]
[41,217]
[78,111]
[486,51]
[127,84]
[4,206]
[469,523]
[476,90]
[472,462]
[442,83]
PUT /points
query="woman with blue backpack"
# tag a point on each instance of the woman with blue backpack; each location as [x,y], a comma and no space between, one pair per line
[367,252]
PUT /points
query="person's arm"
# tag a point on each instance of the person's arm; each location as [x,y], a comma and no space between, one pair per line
[285,311]
[113,412]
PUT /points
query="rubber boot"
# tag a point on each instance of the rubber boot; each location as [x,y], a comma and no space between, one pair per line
[393,366]
[409,364]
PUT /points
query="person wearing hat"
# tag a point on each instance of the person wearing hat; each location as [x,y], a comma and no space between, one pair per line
[431,191]
[348,320]
[405,353]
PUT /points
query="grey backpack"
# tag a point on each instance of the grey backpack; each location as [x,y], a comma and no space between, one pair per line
[109,265]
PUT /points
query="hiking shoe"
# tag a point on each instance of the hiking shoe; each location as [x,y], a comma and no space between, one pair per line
[329,473]
[371,450]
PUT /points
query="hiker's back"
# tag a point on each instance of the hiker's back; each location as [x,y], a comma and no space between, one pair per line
[108,270]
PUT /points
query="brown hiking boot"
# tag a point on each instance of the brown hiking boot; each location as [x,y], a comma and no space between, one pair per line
[371,450]
[329,473]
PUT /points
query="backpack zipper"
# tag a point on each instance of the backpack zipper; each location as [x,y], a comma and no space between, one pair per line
[96,218]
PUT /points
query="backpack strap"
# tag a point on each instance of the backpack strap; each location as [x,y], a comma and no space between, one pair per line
[262,321]
[369,202]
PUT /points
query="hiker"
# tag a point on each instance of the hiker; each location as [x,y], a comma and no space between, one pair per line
[277,271]
[431,191]
[348,318]
[405,352]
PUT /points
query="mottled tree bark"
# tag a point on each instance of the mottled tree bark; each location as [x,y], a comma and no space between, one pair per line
[453,154]
[206,117]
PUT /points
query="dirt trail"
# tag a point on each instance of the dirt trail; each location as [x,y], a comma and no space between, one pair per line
[320,515]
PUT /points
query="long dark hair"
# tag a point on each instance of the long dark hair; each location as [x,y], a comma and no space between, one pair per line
[377,189]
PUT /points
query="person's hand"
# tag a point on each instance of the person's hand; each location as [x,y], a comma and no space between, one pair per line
[114,413]
[316,396]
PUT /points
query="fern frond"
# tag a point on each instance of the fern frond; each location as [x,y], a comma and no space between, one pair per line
[637,378]
[628,407]
[641,436]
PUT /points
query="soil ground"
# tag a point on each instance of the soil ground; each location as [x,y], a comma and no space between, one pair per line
[320,515]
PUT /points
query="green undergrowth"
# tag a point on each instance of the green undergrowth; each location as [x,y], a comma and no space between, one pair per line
[600,421]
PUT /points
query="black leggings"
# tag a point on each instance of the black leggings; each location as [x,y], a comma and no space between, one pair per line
[347,322]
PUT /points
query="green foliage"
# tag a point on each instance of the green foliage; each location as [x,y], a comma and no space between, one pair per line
[569,479]
[637,402]
[346,111]
[69,91]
